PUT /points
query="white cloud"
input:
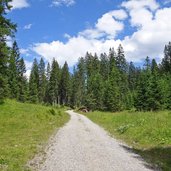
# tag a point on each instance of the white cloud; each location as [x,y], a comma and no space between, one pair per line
[27,74]
[25,52]
[9,41]
[27,27]
[152,32]
[28,64]
[73,49]
[18,4]
[63,2]
[108,25]
[138,4]
[119,14]
[28,68]
[67,36]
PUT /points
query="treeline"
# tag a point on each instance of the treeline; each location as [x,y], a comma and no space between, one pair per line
[105,82]
[109,82]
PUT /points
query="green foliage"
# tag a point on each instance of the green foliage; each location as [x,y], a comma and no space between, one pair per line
[7,28]
[148,133]
[25,129]
[34,83]
[54,83]
[52,112]
[65,87]
[42,81]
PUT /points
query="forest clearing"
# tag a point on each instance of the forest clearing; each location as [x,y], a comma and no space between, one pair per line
[111,63]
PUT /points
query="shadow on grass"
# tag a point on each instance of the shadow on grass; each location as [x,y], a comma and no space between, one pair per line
[159,157]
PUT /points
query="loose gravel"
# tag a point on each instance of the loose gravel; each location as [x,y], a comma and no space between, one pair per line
[81,145]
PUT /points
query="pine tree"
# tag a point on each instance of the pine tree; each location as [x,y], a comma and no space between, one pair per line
[104,66]
[65,85]
[112,93]
[42,80]
[120,60]
[34,82]
[79,83]
[22,81]
[112,59]
[13,71]
[166,61]
[7,29]
[54,83]
[48,71]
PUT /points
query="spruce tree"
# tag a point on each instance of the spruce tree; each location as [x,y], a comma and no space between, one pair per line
[79,85]
[104,66]
[112,93]
[13,71]
[65,85]
[34,83]
[54,83]
[42,80]
[48,71]
[120,60]
[7,29]
[22,81]
[166,61]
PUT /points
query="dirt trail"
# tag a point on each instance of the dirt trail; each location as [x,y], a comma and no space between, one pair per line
[82,145]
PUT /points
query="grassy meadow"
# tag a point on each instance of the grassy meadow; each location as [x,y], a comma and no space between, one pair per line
[147,133]
[24,130]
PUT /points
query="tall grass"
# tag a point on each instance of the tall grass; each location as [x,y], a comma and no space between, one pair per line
[24,129]
[148,133]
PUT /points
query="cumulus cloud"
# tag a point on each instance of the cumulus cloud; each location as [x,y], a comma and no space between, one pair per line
[28,68]
[25,52]
[18,4]
[108,25]
[153,29]
[137,4]
[76,47]
[67,3]
[27,27]
[152,32]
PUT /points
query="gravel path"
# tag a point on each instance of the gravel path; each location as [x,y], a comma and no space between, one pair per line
[82,145]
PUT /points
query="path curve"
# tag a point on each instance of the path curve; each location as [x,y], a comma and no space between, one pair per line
[81,145]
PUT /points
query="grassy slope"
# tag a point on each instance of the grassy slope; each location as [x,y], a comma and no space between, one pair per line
[24,128]
[148,133]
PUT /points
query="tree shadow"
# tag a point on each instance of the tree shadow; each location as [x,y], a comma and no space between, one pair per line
[159,157]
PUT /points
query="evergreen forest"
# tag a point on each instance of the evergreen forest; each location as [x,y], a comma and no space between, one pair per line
[106,82]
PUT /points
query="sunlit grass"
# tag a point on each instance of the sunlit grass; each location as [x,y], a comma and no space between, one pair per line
[24,129]
[148,133]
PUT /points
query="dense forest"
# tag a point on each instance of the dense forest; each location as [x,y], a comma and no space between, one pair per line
[105,82]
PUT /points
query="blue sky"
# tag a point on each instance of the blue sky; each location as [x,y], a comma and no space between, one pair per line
[66,29]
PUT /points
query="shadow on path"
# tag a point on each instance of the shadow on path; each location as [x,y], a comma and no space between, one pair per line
[160,157]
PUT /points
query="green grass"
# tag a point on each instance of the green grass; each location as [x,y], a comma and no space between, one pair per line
[148,133]
[24,130]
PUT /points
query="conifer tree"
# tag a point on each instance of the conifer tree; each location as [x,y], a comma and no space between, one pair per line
[166,61]
[13,71]
[34,82]
[104,66]
[79,86]
[7,29]
[48,71]
[42,80]
[112,92]
[120,60]
[54,83]
[22,81]
[65,85]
